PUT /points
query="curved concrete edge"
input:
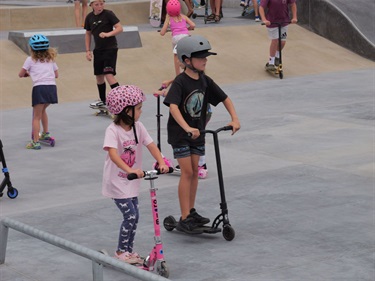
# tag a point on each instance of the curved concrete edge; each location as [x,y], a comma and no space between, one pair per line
[334,25]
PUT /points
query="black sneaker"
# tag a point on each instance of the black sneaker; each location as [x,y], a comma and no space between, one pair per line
[188,226]
[198,219]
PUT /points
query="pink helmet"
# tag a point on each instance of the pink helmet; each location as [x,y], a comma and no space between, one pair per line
[173,8]
[122,96]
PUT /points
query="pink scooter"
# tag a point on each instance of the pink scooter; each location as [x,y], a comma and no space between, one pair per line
[155,260]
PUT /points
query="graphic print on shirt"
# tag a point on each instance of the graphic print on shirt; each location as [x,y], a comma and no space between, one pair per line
[128,155]
[194,103]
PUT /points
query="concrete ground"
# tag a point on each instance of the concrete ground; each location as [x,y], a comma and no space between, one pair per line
[299,175]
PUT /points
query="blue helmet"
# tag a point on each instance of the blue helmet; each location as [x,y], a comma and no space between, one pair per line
[39,42]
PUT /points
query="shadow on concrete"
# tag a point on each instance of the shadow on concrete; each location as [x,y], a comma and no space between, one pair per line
[343,22]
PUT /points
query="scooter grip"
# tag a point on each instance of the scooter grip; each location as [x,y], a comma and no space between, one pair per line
[132,176]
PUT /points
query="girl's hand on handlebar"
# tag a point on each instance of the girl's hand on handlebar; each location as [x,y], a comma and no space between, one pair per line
[235,125]
[163,168]
[138,172]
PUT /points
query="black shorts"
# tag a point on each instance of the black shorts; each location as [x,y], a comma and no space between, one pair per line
[42,94]
[105,61]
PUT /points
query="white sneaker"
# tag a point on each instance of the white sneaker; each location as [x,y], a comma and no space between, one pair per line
[270,67]
[97,103]
[243,3]
[257,19]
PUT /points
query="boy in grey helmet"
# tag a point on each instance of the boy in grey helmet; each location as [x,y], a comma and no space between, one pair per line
[188,98]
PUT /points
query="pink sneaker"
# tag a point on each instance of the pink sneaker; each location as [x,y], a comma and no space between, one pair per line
[127,257]
[202,171]
[136,256]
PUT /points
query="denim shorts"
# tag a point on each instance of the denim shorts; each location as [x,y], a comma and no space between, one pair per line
[186,151]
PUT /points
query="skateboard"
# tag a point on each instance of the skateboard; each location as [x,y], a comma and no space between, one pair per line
[156,7]
[170,223]
[101,111]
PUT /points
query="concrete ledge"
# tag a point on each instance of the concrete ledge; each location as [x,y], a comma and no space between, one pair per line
[335,25]
[26,18]
[72,40]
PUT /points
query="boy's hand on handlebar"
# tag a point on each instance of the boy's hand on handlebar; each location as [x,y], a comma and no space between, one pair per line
[235,126]
[193,133]
[267,22]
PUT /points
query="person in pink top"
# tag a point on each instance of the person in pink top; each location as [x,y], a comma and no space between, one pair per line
[179,25]
[43,70]
[277,11]
[124,140]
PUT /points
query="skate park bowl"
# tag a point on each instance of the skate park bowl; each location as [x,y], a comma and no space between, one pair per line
[346,23]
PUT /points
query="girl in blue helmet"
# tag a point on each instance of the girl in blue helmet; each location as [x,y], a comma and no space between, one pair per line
[43,70]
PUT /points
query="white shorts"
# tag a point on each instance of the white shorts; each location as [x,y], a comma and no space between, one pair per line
[175,40]
[273,32]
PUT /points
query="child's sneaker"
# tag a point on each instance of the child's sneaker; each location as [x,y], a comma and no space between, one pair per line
[270,67]
[33,145]
[188,226]
[202,171]
[198,219]
[45,136]
[97,104]
[127,257]
[136,256]
[257,19]
[243,3]
[277,61]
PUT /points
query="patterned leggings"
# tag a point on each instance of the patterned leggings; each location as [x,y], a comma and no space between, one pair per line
[130,212]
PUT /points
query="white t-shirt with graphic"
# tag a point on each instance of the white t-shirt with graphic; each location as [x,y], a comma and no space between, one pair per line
[115,183]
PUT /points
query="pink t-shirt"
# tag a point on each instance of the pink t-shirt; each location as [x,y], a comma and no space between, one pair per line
[41,73]
[115,183]
[278,11]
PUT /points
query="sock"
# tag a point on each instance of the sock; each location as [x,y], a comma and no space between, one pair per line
[115,85]
[277,54]
[272,60]
[101,89]
[202,160]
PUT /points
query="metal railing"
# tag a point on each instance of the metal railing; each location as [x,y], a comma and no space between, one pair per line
[99,260]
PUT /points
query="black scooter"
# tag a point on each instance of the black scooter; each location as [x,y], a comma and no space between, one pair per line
[170,222]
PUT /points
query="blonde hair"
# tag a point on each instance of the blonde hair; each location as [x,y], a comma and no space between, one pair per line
[45,55]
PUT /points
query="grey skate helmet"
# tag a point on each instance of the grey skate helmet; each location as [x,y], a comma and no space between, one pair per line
[195,46]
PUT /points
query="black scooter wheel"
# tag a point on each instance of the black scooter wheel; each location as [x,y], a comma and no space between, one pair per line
[169,223]
[12,194]
[281,75]
[228,232]
[194,15]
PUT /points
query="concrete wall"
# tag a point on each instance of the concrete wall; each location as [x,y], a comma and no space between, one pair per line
[328,20]
[26,18]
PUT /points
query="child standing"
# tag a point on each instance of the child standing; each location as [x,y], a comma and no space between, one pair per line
[179,25]
[188,98]
[43,70]
[124,140]
[202,166]
[103,25]
[277,11]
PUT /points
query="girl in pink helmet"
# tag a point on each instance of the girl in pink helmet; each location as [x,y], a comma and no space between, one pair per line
[124,140]
[179,25]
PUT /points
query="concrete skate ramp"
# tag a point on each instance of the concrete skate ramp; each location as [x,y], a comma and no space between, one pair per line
[347,23]
[239,60]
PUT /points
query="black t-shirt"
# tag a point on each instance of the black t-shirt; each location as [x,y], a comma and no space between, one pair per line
[192,97]
[103,22]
